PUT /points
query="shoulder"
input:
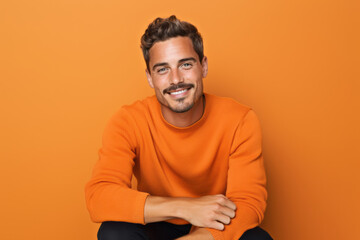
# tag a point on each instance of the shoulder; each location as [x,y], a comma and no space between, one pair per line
[137,109]
[227,107]
[131,116]
[128,119]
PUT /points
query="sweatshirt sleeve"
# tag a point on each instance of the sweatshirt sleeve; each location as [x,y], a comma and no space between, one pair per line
[108,194]
[246,180]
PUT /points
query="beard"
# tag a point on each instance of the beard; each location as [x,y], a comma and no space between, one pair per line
[180,105]
[181,109]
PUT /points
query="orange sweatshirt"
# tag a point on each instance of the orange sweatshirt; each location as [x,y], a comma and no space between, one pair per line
[219,154]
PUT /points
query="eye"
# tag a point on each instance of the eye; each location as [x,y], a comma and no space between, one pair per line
[161,70]
[186,65]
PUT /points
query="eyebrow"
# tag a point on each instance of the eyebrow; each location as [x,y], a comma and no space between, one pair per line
[180,61]
[187,59]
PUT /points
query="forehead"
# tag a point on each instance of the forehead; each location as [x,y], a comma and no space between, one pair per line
[172,50]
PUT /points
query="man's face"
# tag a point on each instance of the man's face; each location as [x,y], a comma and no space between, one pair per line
[176,73]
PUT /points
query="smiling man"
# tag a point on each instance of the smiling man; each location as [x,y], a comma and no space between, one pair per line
[172,61]
[197,157]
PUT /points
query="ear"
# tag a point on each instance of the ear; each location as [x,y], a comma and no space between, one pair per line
[149,78]
[204,64]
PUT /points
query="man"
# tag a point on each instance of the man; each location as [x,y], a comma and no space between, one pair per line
[197,157]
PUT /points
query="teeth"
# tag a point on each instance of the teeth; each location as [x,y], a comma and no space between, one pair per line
[179,92]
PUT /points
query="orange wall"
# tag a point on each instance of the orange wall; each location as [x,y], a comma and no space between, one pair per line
[66,66]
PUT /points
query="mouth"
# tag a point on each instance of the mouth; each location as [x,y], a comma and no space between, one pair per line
[179,89]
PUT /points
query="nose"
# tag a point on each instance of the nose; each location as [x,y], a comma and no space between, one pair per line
[176,77]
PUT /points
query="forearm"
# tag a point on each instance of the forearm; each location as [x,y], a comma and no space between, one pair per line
[161,209]
[164,208]
[213,211]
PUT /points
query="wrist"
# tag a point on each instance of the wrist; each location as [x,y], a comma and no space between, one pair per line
[181,208]
[162,208]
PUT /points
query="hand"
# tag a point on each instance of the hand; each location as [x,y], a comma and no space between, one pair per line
[211,211]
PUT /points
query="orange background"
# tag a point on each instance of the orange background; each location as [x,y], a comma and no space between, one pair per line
[66,66]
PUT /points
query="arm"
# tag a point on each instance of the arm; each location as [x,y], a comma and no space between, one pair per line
[246,179]
[213,211]
[109,196]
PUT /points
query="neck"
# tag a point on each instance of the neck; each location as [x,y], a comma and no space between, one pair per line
[187,118]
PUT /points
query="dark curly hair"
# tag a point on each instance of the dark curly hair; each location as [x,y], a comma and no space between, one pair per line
[162,29]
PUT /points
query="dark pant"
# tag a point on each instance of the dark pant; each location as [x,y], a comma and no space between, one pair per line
[160,231]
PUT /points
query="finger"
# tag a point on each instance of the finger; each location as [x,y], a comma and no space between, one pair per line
[222,218]
[227,211]
[228,203]
[217,225]
[224,201]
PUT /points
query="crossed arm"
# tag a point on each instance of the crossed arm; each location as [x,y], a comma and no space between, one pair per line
[245,189]
[213,211]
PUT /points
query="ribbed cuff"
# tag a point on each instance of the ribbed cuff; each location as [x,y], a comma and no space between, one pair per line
[140,207]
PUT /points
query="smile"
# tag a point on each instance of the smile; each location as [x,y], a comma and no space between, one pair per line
[176,89]
[179,92]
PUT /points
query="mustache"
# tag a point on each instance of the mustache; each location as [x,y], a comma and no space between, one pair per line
[177,86]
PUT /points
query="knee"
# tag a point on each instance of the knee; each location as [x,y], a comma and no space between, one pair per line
[120,230]
[256,233]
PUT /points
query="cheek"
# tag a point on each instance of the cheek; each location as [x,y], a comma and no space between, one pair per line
[160,88]
[190,76]
[159,83]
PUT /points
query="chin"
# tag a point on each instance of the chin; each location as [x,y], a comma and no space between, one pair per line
[182,109]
